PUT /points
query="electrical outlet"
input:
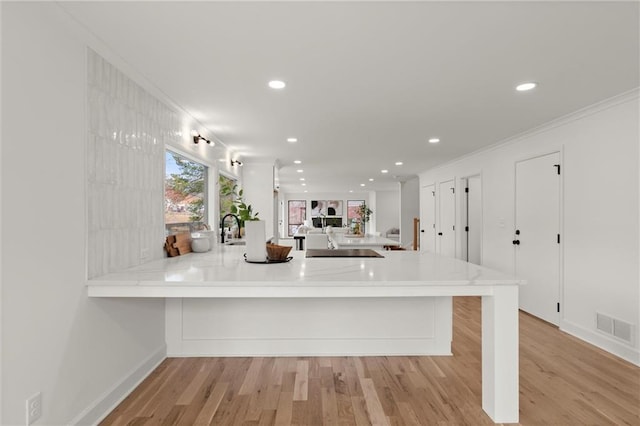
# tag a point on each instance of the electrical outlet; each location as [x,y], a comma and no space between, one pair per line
[34,408]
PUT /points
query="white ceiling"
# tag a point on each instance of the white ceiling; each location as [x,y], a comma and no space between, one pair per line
[369,83]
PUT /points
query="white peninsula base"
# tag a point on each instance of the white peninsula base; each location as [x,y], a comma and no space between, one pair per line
[309,326]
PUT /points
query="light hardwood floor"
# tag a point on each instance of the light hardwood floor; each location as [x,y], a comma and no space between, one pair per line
[563,381]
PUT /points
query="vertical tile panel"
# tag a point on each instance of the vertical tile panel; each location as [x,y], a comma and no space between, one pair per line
[127,128]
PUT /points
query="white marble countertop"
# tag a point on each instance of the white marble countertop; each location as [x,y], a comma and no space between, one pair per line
[223,272]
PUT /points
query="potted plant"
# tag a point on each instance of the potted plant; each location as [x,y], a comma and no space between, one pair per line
[243,210]
[238,206]
[365,216]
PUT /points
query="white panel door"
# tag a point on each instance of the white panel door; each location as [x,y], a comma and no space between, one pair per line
[447,219]
[428,218]
[537,235]
[474,220]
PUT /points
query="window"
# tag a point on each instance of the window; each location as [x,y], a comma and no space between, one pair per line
[227,194]
[353,210]
[297,214]
[185,188]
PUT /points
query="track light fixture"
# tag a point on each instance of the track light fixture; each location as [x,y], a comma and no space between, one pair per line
[197,138]
[236,163]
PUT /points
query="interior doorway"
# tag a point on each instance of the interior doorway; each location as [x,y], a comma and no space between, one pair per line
[428,218]
[536,239]
[473,213]
[447,218]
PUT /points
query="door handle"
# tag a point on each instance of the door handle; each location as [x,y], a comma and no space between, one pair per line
[422,230]
[440,233]
[516,242]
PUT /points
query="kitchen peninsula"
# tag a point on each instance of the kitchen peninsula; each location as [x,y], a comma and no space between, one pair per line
[217,304]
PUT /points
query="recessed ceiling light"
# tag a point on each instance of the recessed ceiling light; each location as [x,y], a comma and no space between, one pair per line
[304,184]
[398,163]
[523,87]
[362,184]
[297,161]
[306,190]
[301,178]
[434,140]
[351,190]
[384,171]
[370,179]
[292,140]
[299,170]
[277,84]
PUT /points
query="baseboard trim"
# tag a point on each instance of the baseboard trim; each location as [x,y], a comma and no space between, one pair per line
[108,401]
[312,347]
[603,342]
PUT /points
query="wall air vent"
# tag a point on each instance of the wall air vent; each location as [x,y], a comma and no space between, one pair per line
[604,323]
[614,327]
[622,330]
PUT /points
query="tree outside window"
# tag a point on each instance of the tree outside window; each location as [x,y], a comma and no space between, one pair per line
[353,210]
[227,194]
[185,207]
[297,213]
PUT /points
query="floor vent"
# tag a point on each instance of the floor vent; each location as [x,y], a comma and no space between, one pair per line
[615,327]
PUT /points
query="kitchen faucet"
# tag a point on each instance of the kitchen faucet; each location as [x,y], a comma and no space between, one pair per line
[222,224]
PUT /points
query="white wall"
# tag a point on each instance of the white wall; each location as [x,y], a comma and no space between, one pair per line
[599,148]
[387,210]
[258,185]
[371,227]
[409,209]
[81,353]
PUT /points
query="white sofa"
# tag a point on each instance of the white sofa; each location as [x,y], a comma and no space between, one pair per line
[393,234]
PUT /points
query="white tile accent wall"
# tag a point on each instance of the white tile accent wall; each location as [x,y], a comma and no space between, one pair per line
[126,135]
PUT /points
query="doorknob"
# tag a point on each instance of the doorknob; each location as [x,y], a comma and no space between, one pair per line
[516,242]
[440,233]
[422,230]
